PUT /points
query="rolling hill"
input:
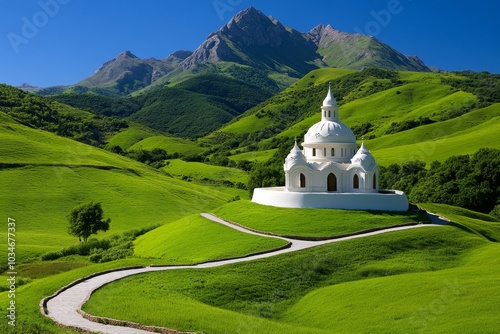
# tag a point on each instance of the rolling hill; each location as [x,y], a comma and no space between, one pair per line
[402,115]
[410,281]
[192,108]
[45,176]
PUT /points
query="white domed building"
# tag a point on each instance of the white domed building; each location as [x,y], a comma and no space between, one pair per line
[330,172]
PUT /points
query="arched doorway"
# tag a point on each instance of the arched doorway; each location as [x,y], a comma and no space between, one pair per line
[302,180]
[332,182]
[355,181]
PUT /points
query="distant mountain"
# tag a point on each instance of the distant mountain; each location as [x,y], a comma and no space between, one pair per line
[251,38]
[356,51]
[130,73]
[250,46]
[27,87]
[192,108]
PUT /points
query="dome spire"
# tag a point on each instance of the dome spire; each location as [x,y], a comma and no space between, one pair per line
[329,110]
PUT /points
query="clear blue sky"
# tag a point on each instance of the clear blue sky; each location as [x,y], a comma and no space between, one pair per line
[60,42]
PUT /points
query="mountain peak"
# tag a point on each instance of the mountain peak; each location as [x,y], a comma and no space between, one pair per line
[250,12]
[127,54]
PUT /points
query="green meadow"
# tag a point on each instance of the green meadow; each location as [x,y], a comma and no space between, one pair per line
[254,155]
[130,136]
[408,281]
[169,144]
[196,239]
[49,175]
[458,121]
[311,222]
[204,172]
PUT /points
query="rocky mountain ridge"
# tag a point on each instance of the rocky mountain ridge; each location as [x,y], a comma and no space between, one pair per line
[252,39]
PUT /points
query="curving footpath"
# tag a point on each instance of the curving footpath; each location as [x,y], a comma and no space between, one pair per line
[65,306]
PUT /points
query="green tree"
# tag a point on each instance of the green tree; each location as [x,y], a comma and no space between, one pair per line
[87,219]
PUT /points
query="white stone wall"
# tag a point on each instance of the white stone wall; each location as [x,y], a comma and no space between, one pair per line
[316,177]
[279,197]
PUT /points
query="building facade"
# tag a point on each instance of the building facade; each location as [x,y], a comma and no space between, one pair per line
[331,172]
[330,161]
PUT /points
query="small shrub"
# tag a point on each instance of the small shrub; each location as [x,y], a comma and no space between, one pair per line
[496,212]
[49,256]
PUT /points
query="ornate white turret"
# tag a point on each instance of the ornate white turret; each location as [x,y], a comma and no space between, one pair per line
[294,157]
[330,110]
[364,158]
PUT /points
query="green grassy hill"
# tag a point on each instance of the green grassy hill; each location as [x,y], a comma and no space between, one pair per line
[429,278]
[402,115]
[311,222]
[45,176]
[191,108]
[195,239]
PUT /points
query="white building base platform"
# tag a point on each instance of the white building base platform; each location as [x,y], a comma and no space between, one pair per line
[385,200]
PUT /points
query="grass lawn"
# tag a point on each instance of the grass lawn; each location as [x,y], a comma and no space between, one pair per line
[262,296]
[456,300]
[169,144]
[196,239]
[436,130]
[311,222]
[203,172]
[248,124]
[40,197]
[464,142]
[128,137]
[254,156]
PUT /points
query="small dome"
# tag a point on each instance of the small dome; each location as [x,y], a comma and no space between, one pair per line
[364,158]
[296,154]
[329,132]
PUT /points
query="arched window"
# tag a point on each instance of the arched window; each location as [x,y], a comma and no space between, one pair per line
[333,152]
[324,151]
[302,180]
[355,181]
[329,113]
[332,182]
[314,152]
[375,181]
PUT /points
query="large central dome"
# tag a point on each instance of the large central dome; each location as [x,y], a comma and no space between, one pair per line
[329,132]
[329,129]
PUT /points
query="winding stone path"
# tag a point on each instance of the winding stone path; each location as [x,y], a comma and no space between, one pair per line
[63,308]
